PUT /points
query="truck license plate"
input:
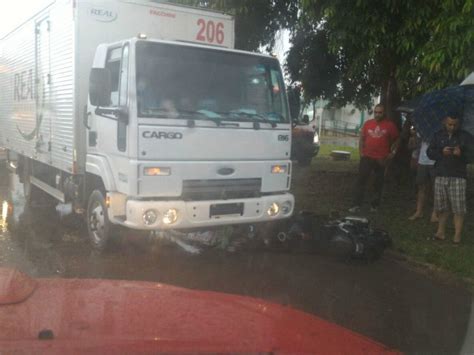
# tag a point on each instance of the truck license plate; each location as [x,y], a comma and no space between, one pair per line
[226,209]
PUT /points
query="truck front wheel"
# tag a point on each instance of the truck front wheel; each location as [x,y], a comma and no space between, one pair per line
[98,224]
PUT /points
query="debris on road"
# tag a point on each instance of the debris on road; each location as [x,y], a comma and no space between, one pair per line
[348,237]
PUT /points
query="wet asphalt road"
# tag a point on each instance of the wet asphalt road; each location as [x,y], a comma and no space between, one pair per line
[390,300]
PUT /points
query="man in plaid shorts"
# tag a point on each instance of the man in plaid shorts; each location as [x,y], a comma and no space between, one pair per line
[449,151]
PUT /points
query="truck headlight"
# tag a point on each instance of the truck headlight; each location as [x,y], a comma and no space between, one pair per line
[156,171]
[316,138]
[150,217]
[273,210]
[279,169]
[170,216]
[286,207]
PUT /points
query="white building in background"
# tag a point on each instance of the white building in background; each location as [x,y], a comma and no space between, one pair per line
[348,119]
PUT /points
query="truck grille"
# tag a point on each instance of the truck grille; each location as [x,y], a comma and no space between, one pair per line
[198,190]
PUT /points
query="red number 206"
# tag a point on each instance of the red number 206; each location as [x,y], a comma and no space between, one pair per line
[210,32]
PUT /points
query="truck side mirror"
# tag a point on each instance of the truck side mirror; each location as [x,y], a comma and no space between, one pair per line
[122,115]
[100,87]
[294,122]
[294,102]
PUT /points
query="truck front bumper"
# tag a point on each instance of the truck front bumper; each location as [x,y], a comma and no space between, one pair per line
[155,215]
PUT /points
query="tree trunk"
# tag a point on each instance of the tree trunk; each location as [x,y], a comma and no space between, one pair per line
[399,169]
[390,98]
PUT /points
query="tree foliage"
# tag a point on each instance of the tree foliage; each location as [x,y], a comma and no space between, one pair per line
[311,64]
[350,51]
[448,55]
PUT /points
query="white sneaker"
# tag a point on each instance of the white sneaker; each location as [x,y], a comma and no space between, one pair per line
[354,209]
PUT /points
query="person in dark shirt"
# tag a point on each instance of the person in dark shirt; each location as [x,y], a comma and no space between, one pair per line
[448,149]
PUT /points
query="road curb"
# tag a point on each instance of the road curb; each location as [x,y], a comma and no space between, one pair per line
[440,272]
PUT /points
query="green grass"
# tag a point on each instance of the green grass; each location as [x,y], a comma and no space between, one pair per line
[327,185]
[328,164]
[411,238]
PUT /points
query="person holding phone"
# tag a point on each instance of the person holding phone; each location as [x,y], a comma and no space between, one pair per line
[448,149]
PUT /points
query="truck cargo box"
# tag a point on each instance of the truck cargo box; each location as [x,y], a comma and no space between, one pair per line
[45,65]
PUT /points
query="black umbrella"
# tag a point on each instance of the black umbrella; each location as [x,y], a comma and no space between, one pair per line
[434,106]
[429,110]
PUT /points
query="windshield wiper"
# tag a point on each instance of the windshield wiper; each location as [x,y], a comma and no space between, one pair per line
[251,117]
[190,115]
[279,115]
[203,116]
[160,112]
[157,112]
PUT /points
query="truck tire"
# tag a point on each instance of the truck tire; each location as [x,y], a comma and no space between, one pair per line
[98,224]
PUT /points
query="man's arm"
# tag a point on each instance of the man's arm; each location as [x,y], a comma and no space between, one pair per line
[394,142]
[394,148]
[362,135]
[414,142]
[361,143]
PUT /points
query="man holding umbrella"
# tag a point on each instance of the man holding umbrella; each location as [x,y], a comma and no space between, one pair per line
[448,149]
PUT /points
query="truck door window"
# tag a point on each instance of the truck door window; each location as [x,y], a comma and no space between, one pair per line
[123,100]
[113,64]
[277,95]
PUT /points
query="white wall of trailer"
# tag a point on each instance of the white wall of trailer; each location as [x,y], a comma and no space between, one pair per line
[45,120]
[37,87]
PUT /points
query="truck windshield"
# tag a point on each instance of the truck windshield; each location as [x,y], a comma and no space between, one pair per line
[176,81]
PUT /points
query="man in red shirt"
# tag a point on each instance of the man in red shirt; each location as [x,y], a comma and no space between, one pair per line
[377,145]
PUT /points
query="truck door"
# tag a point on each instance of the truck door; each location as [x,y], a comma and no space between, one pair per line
[108,134]
[43,89]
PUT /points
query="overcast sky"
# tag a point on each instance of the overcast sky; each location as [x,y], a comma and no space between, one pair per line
[15,12]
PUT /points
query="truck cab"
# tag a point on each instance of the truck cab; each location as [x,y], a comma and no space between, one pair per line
[186,136]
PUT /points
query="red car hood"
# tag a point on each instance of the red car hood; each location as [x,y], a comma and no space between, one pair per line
[106,316]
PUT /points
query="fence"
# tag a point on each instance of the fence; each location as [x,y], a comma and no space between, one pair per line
[339,128]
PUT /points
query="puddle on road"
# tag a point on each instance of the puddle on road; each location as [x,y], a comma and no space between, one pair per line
[49,241]
[40,239]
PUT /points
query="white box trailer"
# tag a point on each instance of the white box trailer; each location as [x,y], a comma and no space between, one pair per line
[57,48]
[190,133]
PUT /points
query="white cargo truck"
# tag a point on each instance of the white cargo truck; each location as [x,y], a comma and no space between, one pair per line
[143,115]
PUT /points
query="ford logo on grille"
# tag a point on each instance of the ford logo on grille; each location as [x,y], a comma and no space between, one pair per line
[225,171]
